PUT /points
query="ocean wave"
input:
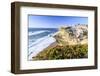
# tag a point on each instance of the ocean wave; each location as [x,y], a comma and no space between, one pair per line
[39,45]
[37,32]
[37,41]
[33,41]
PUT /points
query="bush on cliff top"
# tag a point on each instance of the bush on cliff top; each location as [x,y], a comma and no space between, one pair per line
[63,52]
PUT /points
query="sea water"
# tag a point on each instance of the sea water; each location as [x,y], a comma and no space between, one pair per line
[39,39]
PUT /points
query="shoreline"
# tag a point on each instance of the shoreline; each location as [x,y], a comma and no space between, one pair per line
[46,42]
[54,44]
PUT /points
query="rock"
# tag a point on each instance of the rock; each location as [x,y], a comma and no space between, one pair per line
[72,35]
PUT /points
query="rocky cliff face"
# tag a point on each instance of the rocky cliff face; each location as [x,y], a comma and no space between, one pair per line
[72,35]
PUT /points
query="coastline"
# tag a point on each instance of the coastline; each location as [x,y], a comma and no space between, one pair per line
[45,43]
[54,44]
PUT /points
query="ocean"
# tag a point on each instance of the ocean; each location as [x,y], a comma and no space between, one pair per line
[38,39]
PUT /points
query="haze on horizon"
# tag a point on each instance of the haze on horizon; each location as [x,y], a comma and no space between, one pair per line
[39,21]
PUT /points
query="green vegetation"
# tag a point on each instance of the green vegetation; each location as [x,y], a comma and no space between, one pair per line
[63,52]
[85,33]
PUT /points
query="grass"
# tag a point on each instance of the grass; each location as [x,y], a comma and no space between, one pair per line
[63,52]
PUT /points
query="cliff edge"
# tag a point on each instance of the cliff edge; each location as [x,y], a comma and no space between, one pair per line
[68,35]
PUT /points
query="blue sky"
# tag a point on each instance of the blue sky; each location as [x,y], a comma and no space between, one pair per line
[37,21]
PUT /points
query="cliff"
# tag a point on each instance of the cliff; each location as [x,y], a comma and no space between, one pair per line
[69,35]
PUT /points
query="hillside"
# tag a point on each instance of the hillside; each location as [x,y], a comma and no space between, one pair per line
[72,35]
[71,43]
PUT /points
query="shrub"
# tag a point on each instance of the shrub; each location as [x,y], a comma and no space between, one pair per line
[63,52]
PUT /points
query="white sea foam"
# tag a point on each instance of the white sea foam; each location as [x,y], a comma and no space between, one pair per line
[37,32]
[40,45]
[37,41]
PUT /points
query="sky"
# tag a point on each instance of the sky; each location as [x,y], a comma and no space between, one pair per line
[39,21]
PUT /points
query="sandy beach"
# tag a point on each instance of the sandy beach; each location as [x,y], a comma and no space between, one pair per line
[45,43]
[54,44]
